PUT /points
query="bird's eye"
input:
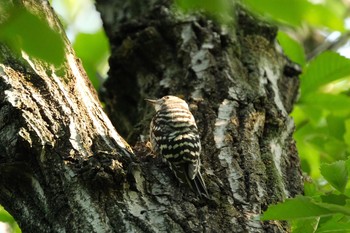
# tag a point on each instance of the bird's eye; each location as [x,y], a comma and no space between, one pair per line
[166,97]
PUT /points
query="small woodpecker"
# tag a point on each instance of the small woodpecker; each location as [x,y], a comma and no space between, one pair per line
[174,136]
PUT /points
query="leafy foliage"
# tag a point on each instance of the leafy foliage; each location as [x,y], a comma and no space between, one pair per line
[323,70]
[336,174]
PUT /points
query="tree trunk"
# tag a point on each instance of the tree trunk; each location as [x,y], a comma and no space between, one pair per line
[241,89]
[64,168]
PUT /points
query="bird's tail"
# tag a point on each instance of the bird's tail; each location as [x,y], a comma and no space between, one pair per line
[196,184]
[199,186]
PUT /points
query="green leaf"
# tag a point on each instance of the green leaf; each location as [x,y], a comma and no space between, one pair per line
[325,68]
[298,12]
[338,199]
[302,207]
[336,227]
[6,217]
[305,225]
[334,208]
[335,223]
[25,31]
[276,9]
[291,48]
[336,126]
[336,104]
[336,174]
[299,207]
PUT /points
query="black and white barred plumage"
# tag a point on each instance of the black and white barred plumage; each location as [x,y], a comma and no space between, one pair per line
[174,136]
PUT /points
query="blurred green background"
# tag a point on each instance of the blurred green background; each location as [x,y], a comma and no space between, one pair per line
[83,26]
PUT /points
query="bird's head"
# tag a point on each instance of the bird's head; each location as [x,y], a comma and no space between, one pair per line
[168,101]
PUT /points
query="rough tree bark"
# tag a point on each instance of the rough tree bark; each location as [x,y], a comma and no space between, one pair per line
[241,89]
[64,168]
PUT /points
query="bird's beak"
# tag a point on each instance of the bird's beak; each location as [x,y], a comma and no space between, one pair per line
[151,101]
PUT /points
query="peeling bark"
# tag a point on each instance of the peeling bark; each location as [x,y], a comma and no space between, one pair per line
[64,168]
